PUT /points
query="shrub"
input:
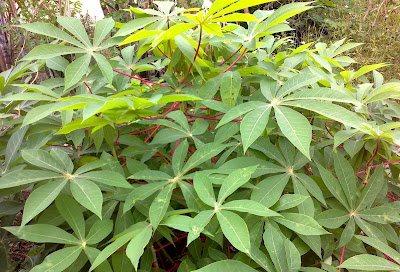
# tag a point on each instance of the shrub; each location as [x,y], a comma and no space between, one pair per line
[244,157]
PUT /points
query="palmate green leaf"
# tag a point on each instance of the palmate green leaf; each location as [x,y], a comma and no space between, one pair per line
[332,219]
[103,28]
[179,222]
[366,69]
[238,111]
[42,159]
[300,223]
[199,222]
[136,246]
[27,96]
[25,177]
[369,229]
[134,25]
[159,206]
[333,186]
[226,265]
[326,94]
[269,190]
[347,233]
[384,248]
[293,256]
[234,181]
[46,51]
[288,201]
[249,206]
[43,233]
[311,187]
[230,88]
[274,243]
[88,194]
[329,110]
[99,231]
[150,175]
[117,243]
[51,31]
[76,70]
[76,28]
[179,156]
[141,193]
[92,254]
[296,82]
[106,177]
[140,35]
[367,262]
[57,63]
[235,230]
[371,191]
[167,135]
[253,124]
[346,176]
[235,17]
[71,212]
[59,260]
[13,145]
[239,5]
[203,154]
[204,189]
[261,259]
[380,215]
[41,198]
[295,127]
[105,66]
[63,158]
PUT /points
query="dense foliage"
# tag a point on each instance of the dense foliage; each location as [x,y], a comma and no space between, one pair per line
[243,156]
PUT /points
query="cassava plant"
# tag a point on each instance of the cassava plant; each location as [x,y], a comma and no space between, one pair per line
[201,147]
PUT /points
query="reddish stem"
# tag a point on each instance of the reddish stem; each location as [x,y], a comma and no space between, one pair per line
[162,52]
[143,131]
[230,66]
[194,59]
[143,80]
[176,146]
[222,63]
[148,86]
[87,86]
[341,257]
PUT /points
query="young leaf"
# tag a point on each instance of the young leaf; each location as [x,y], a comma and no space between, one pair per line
[295,127]
[235,230]
[234,181]
[72,213]
[136,246]
[43,233]
[41,198]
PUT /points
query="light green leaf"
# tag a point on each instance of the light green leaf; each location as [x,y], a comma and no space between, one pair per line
[59,260]
[249,206]
[198,224]
[160,205]
[46,51]
[204,189]
[226,265]
[41,198]
[88,194]
[100,230]
[134,25]
[300,223]
[269,190]
[230,87]
[295,127]
[106,177]
[234,181]
[296,82]
[43,233]
[76,70]
[51,31]
[367,262]
[13,145]
[367,68]
[105,67]
[136,246]
[57,63]
[203,154]
[71,212]
[140,35]
[42,159]
[332,219]
[326,94]
[253,124]
[24,177]
[235,230]
[103,28]
[76,28]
